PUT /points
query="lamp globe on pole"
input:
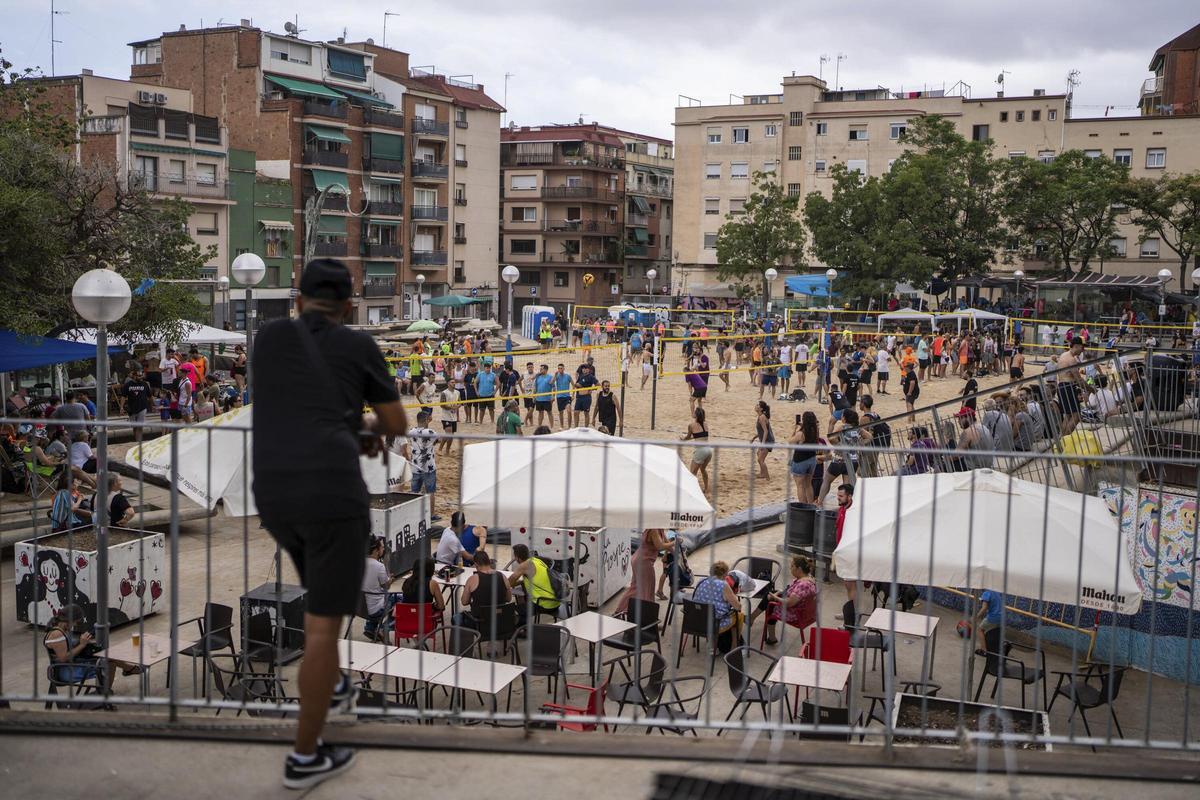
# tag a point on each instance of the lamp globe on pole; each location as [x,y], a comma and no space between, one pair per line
[651,274]
[1164,277]
[769,274]
[420,296]
[1196,277]
[249,270]
[510,274]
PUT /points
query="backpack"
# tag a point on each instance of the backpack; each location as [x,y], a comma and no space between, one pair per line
[558,584]
[881,432]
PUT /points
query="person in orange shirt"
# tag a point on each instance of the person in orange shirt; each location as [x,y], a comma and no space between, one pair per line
[199,362]
[937,345]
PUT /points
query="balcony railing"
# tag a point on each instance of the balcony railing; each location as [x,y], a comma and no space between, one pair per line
[557,256]
[437,213]
[637,250]
[510,157]
[584,226]
[460,123]
[429,169]
[429,258]
[430,127]
[109,123]
[322,109]
[387,208]
[391,166]
[377,116]
[379,289]
[654,191]
[460,201]
[333,202]
[462,239]
[1152,86]
[326,158]
[184,187]
[580,193]
[640,220]
[336,247]
[460,162]
[377,250]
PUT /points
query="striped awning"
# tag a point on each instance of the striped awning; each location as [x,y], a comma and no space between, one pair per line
[326,134]
[305,88]
[275,225]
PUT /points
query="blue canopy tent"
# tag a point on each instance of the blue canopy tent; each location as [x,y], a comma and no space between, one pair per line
[811,285]
[20,351]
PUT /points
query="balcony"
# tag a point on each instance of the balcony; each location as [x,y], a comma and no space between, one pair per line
[333,201]
[430,127]
[586,257]
[580,193]
[460,162]
[435,213]
[373,115]
[637,220]
[390,166]
[429,169]
[585,226]
[386,208]
[661,190]
[598,159]
[429,258]
[637,250]
[460,239]
[460,123]
[380,288]
[460,201]
[1152,86]
[334,248]
[377,250]
[320,108]
[326,158]
[180,186]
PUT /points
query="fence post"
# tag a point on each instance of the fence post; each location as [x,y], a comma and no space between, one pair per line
[1054,426]
[654,381]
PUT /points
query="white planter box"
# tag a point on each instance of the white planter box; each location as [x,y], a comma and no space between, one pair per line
[402,519]
[607,551]
[969,710]
[60,568]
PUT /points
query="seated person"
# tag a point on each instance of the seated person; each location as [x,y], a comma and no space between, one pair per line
[83,460]
[797,606]
[72,653]
[533,576]
[120,512]
[482,592]
[473,539]
[36,458]
[69,509]
[716,591]
[420,586]
[376,582]
[450,549]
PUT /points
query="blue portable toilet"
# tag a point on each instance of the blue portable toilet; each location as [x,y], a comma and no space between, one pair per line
[531,320]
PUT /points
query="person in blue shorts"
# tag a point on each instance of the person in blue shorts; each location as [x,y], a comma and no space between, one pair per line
[485,390]
[543,388]
[584,386]
[562,394]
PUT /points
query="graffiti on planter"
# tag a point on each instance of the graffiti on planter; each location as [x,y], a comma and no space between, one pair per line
[1160,542]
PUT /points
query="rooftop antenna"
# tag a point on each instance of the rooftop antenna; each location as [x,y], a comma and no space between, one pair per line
[837,70]
[1072,81]
[387,14]
[1000,82]
[821,68]
[293,28]
[580,118]
[53,41]
[507,75]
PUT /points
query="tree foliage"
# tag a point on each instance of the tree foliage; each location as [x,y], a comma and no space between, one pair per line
[768,234]
[62,219]
[1169,209]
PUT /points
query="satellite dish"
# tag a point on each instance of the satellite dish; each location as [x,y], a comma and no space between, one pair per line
[290,27]
[1000,78]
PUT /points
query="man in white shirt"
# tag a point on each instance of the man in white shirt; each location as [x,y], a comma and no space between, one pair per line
[1103,400]
[450,549]
[169,367]
[427,394]
[449,411]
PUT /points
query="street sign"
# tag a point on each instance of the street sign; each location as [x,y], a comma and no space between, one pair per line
[614,289]
[533,291]
[474,292]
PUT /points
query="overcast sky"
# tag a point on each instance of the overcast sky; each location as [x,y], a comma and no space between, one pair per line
[625,62]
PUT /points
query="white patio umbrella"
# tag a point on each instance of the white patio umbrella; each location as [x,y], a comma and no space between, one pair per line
[230,476]
[1056,545]
[580,478]
[196,333]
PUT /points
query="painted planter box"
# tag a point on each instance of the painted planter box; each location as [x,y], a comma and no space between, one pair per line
[402,519]
[936,714]
[605,552]
[58,569]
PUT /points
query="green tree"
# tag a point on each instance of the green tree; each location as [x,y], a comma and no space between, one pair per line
[769,233]
[62,218]
[1063,210]
[1169,208]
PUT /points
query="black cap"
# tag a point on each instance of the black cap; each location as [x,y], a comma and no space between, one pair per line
[326,279]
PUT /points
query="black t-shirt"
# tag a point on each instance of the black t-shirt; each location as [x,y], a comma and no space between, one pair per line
[908,384]
[838,400]
[137,396]
[116,508]
[305,443]
[852,381]
[586,381]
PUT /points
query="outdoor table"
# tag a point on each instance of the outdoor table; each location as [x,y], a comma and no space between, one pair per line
[478,675]
[909,624]
[408,664]
[810,674]
[154,649]
[460,580]
[360,656]
[594,628]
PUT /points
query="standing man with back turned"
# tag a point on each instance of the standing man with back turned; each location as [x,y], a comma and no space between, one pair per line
[312,376]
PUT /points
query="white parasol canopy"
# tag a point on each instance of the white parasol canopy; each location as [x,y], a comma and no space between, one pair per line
[965,529]
[905,315]
[196,334]
[580,478]
[230,476]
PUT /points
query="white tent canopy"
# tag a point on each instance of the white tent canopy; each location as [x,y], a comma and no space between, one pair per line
[228,441]
[578,478]
[985,530]
[905,315]
[196,334]
[974,316]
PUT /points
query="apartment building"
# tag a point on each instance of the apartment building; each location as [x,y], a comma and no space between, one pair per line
[365,153]
[649,187]
[260,222]
[1175,87]
[563,214]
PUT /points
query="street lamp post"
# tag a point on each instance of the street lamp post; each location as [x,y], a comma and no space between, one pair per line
[1164,277]
[248,270]
[830,277]
[420,296]
[223,290]
[101,297]
[769,275]
[651,274]
[510,274]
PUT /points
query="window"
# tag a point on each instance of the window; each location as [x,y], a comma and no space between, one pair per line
[739,170]
[176,170]
[522,247]
[796,118]
[858,165]
[385,192]
[714,135]
[822,128]
[522,182]
[1052,114]
[149,54]
[858,134]
[737,206]
[1004,116]
[347,65]
[425,197]
[1149,249]
[523,214]
[460,194]
[712,205]
[460,155]
[1123,157]
[769,167]
[1020,116]
[1118,247]
[295,52]
[425,111]
[770,131]
[146,170]
[793,190]
[1016,153]
[741,136]
[794,152]
[562,280]
[1156,157]
[1035,115]
[206,223]
[1046,156]
[979,133]
[710,241]
[897,129]
[206,174]
[274,244]
[712,172]
[460,272]
[819,166]
[1092,153]
[460,117]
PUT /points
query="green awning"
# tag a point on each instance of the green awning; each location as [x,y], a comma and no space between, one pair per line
[641,205]
[390,222]
[641,235]
[366,98]
[386,145]
[332,226]
[453,301]
[306,88]
[327,134]
[380,269]
[168,148]
[323,178]
[378,179]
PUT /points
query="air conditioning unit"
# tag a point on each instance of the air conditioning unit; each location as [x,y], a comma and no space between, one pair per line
[145,97]
[160,98]
[275,96]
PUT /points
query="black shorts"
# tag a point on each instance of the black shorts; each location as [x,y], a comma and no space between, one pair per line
[562,402]
[1016,374]
[699,393]
[330,557]
[802,367]
[154,379]
[1068,399]
[923,363]
[543,405]
[450,426]
[583,402]
[529,402]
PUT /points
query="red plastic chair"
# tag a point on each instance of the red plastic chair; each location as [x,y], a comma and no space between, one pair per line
[415,621]
[826,644]
[594,708]
[782,620]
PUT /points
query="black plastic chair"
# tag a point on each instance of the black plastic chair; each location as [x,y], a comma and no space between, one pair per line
[812,714]
[674,705]
[90,685]
[699,621]
[640,682]
[1084,696]
[380,621]
[215,629]
[748,690]
[497,624]
[1002,666]
[868,639]
[233,682]
[765,569]
[549,645]
[643,614]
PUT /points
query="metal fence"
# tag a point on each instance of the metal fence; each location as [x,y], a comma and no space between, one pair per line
[208,606]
